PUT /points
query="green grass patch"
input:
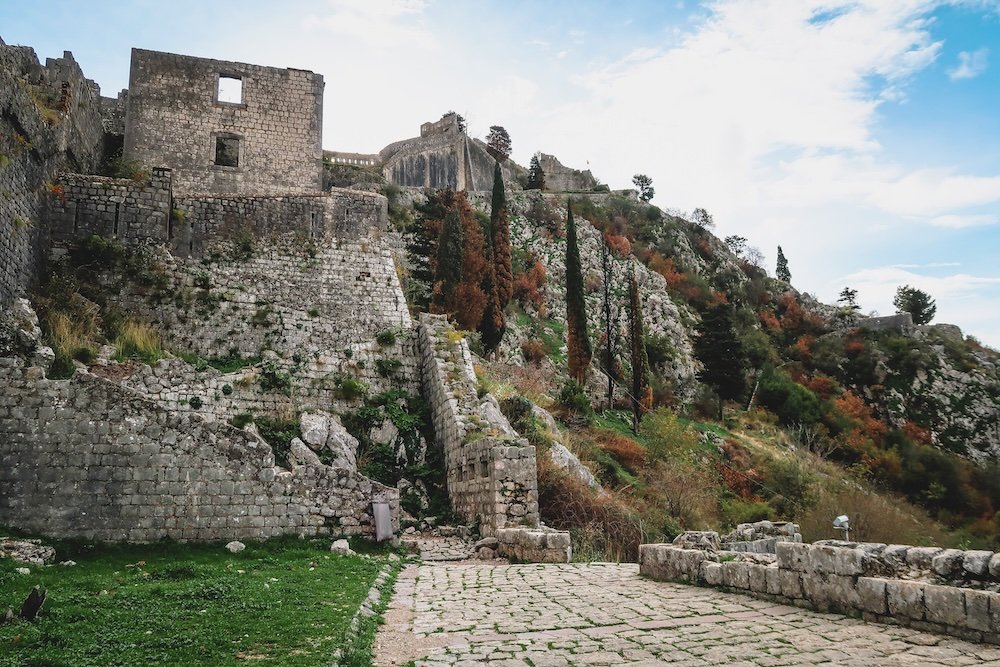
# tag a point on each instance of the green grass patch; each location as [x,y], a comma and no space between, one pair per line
[284,602]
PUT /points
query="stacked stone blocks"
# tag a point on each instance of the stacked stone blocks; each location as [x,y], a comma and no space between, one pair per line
[942,590]
[491,470]
[94,460]
[174,116]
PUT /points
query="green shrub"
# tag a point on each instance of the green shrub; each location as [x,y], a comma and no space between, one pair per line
[574,398]
[241,420]
[667,437]
[227,389]
[274,379]
[350,388]
[195,403]
[279,434]
[386,338]
[388,367]
[793,403]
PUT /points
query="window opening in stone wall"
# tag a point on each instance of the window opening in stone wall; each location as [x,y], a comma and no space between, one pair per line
[227,151]
[76,218]
[230,89]
[118,208]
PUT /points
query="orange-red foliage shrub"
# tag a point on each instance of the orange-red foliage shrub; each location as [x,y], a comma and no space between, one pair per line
[528,285]
[533,350]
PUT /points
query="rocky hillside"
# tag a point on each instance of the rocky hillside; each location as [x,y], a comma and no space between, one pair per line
[914,411]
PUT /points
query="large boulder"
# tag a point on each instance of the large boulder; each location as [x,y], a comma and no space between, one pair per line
[322,431]
[566,460]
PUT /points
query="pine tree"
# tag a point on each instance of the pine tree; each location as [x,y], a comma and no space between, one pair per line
[577,339]
[917,303]
[642,393]
[848,299]
[721,353]
[498,143]
[536,177]
[781,270]
[448,266]
[644,184]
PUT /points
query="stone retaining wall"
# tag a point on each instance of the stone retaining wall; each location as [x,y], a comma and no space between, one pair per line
[856,580]
[88,458]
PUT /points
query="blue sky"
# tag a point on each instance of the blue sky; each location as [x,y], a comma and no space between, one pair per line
[863,136]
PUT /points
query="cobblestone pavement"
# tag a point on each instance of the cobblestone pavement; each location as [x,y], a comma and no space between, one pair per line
[439,548]
[470,613]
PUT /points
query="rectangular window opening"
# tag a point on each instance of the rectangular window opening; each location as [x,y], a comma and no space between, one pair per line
[227,151]
[230,89]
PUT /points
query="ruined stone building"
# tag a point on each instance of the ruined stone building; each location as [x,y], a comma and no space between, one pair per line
[225,127]
[243,256]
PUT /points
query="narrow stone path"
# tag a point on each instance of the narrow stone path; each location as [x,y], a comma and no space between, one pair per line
[472,613]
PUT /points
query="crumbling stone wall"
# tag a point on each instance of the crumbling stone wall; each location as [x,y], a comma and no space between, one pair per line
[97,461]
[48,121]
[942,590]
[560,178]
[491,470]
[174,117]
[899,323]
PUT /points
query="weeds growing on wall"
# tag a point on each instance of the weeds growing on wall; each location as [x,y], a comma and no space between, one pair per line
[138,340]
[76,308]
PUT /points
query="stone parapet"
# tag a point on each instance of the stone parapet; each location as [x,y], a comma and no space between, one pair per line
[846,577]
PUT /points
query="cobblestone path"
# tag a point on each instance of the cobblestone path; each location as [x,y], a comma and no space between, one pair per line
[470,613]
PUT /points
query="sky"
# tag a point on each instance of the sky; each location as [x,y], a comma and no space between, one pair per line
[862,136]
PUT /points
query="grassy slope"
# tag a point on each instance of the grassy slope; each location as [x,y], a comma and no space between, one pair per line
[284,602]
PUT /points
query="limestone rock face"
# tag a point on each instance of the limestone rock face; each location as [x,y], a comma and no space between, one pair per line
[662,317]
[300,455]
[322,431]
[566,460]
[315,429]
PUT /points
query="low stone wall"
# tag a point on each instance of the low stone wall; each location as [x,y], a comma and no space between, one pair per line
[88,458]
[534,546]
[856,580]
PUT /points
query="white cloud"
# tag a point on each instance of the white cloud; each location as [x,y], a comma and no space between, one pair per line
[963,221]
[374,22]
[970,64]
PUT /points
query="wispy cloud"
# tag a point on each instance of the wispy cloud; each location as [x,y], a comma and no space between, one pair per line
[970,64]
[375,22]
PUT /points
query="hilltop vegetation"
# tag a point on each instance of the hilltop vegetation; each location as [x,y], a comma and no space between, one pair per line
[896,427]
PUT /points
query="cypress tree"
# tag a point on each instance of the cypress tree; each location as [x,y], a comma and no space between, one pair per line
[577,340]
[503,281]
[721,353]
[642,393]
[610,321]
[781,270]
[500,281]
[449,262]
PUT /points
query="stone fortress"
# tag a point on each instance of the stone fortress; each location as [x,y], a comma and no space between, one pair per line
[253,257]
[233,216]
